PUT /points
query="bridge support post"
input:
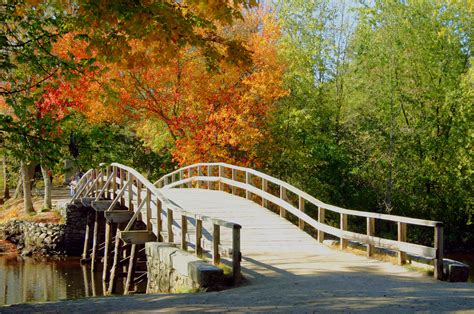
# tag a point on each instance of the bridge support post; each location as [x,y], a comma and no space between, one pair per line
[321,218]
[439,247]
[106,252]
[94,241]
[86,241]
[131,269]
[402,237]
[370,232]
[159,225]
[113,270]
[343,227]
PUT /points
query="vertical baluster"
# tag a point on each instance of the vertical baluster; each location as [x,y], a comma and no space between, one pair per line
[236,255]
[233,179]
[247,181]
[198,237]
[169,224]
[370,233]
[216,239]
[159,224]
[301,208]
[264,189]
[184,231]
[283,197]
[402,237]
[321,219]
[439,247]
[343,227]
[190,175]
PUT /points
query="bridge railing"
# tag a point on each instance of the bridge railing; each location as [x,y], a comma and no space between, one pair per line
[235,180]
[126,186]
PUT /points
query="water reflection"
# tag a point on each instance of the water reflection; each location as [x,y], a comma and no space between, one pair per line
[28,279]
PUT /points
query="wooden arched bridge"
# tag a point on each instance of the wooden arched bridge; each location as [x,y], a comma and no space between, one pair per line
[229,213]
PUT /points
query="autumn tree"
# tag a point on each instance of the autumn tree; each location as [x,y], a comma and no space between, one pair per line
[201,114]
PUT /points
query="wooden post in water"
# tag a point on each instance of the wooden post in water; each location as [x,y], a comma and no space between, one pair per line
[131,270]
[301,208]
[113,270]
[321,218]
[106,252]
[370,232]
[343,227]
[439,247]
[94,241]
[402,237]
[86,241]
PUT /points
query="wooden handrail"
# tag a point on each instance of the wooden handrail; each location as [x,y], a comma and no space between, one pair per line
[400,245]
[134,187]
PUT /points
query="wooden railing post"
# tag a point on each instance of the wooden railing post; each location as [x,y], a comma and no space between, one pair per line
[343,227]
[247,181]
[370,232]
[114,182]
[198,237]
[122,179]
[221,175]
[148,210]
[184,231]
[236,255]
[107,175]
[216,239]
[264,189]
[190,174]
[209,174]
[159,225]
[233,179]
[199,175]
[282,197]
[169,224]
[301,208]
[439,247]
[402,237]
[130,191]
[321,218]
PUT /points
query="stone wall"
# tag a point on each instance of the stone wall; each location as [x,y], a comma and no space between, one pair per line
[171,270]
[51,239]
[35,238]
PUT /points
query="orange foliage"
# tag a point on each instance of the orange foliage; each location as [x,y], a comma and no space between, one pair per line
[207,115]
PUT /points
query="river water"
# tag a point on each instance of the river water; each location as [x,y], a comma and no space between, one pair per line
[27,279]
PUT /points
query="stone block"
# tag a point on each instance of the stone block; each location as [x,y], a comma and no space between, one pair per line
[455,271]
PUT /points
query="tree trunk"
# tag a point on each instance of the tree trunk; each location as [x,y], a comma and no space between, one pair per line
[47,204]
[27,200]
[19,187]
[6,189]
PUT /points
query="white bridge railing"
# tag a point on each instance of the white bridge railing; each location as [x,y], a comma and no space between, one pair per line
[126,186]
[269,190]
